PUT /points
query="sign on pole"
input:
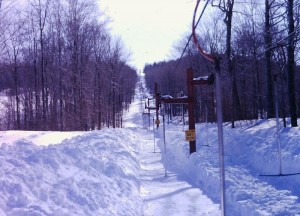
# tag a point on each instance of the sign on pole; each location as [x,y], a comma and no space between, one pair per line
[190,135]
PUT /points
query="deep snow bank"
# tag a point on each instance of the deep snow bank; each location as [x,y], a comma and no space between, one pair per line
[95,173]
[250,150]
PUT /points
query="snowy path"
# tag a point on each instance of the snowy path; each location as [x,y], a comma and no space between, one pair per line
[171,194]
[246,192]
[164,195]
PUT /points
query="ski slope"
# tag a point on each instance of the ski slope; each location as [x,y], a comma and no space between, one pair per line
[128,172]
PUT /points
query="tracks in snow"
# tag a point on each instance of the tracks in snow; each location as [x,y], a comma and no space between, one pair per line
[171,194]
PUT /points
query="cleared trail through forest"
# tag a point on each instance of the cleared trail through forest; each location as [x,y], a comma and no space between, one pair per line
[164,195]
[171,194]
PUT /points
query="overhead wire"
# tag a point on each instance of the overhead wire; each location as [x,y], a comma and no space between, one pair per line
[202,52]
[209,56]
[194,26]
[219,112]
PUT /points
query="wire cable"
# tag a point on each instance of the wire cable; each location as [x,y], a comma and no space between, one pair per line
[194,26]
[196,42]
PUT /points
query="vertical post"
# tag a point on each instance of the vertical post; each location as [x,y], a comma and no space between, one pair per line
[182,118]
[220,135]
[168,113]
[156,104]
[191,108]
[149,113]
[182,109]
[206,123]
[165,147]
[153,136]
[277,125]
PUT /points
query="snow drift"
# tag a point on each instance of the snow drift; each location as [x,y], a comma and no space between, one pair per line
[250,150]
[96,173]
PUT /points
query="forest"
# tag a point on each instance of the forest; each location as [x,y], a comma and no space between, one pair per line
[257,43]
[60,68]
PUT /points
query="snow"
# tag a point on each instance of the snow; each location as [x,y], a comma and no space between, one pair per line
[169,193]
[250,150]
[201,78]
[91,174]
[128,172]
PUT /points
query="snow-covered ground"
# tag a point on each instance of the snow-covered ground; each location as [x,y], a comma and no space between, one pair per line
[127,172]
[250,152]
[95,173]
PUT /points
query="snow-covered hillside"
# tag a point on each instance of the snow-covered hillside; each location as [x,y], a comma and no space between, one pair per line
[126,171]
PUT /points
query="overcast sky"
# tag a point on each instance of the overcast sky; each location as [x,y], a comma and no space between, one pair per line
[149,28]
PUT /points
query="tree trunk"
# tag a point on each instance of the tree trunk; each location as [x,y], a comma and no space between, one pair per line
[36,87]
[268,45]
[291,63]
[230,70]
[15,72]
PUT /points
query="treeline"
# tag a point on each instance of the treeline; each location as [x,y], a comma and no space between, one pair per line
[60,69]
[258,43]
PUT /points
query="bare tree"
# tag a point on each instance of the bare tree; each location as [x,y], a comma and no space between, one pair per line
[291,62]
[226,6]
[268,54]
[40,11]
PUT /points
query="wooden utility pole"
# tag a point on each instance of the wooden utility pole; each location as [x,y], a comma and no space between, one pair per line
[191,82]
[156,105]
[191,108]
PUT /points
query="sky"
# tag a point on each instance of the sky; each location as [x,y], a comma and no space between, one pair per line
[149,28]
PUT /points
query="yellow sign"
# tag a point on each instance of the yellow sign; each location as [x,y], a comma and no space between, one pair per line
[190,135]
[157,121]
